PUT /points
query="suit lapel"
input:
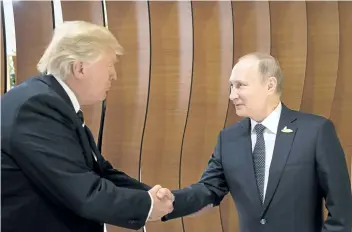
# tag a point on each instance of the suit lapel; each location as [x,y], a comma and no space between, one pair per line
[87,148]
[94,149]
[84,136]
[243,147]
[281,152]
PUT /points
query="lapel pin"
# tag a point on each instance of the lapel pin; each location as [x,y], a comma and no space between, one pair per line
[286,130]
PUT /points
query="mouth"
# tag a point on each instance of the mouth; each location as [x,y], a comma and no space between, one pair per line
[237,104]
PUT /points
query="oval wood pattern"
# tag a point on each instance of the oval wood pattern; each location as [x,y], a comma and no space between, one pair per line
[342,105]
[171,75]
[213,40]
[3,75]
[91,11]
[33,28]
[289,46]
[251,26]
[127,100]
[322,57]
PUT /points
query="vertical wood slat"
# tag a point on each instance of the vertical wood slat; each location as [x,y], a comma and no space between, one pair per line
[33,27]
[127,99]
[251,27]
[289,46]
[213,30]
[170,83]
[90,11]
[322,57]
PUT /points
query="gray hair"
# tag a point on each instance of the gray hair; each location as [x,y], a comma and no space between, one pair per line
[76,40]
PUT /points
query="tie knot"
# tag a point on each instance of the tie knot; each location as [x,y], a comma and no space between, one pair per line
[259,128]
[80,116]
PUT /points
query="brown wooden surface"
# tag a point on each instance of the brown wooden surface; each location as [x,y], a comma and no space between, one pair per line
[127,99]
[170,83]
[91,11]
[289,46]
[213,31]
[33,28]
[322,57]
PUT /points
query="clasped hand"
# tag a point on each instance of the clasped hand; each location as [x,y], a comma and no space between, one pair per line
[162,202]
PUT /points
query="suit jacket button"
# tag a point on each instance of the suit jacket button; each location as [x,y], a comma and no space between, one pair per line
[263,221]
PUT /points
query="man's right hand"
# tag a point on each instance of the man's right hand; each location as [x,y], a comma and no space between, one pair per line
[162,203]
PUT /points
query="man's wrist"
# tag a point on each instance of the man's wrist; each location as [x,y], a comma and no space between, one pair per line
[151,206]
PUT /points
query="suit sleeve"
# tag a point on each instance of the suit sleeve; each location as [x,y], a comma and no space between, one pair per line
[46,147]
[121,179]
[211,189]
[334,180]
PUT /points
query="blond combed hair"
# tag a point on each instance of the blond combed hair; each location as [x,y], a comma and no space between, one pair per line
[268,66]
[76,41]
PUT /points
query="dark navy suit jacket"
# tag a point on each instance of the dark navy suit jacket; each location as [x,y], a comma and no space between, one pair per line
[49,178]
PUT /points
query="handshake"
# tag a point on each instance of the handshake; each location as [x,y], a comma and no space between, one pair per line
[162,202]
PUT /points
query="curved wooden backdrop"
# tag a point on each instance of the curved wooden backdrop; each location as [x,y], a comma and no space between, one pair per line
[171,98]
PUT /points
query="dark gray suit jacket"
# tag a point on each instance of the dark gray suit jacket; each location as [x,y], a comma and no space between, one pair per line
[308,165]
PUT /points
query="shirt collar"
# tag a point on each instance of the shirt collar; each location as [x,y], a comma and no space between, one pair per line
[70,94]
[271,122]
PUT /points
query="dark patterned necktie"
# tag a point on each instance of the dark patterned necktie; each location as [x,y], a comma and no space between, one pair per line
[259,159]
[80,116]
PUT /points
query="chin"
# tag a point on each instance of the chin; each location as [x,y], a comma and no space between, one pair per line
[241,113]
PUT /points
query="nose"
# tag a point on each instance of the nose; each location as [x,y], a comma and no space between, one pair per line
[233,94]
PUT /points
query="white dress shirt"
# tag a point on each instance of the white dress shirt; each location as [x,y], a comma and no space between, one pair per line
[77,107]
[271,124]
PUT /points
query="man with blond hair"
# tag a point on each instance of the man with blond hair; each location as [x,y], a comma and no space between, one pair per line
[53,176]
[277,163]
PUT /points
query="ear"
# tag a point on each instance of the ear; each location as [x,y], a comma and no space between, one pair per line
[78,69]
[272,84]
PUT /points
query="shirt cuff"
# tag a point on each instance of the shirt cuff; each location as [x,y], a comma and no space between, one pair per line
[151,206]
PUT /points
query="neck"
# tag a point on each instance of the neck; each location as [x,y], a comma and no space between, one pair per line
[268,109]
[73,85]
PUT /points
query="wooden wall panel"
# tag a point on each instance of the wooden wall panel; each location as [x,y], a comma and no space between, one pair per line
[33,28]
[170,83]
[2,53]
[342,105]
[213,40]
[126,103]
[251,27]
[322,57]
[289,46]
[91,11]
